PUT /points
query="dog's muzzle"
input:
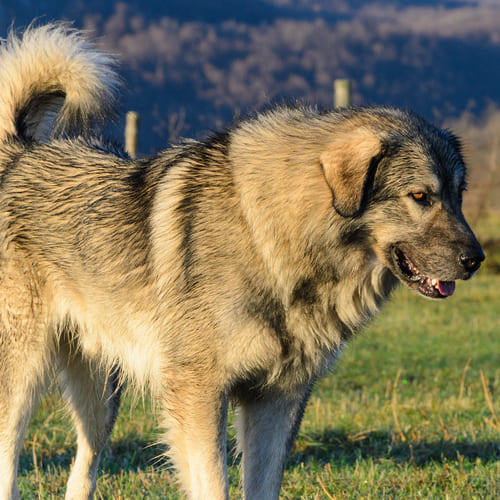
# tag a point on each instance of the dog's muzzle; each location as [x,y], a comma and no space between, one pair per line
[471,261]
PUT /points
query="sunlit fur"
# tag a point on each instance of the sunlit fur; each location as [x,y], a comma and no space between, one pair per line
[53,82]
[234,268]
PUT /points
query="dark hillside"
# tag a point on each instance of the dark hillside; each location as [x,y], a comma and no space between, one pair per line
[192,65]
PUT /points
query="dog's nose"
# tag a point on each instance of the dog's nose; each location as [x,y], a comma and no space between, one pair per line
[470,262]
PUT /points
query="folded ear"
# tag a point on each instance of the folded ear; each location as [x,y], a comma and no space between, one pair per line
[348,164]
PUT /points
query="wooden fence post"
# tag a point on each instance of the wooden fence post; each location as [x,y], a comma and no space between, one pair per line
[132,133]
[342,93]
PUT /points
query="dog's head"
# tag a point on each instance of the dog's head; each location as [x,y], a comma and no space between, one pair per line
[405,179]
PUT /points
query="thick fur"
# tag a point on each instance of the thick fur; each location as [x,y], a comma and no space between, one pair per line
[53,82]
[230,269]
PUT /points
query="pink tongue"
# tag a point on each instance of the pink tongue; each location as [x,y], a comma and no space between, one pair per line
[446,288]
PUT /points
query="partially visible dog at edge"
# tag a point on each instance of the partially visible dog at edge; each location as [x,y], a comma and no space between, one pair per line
[228,270]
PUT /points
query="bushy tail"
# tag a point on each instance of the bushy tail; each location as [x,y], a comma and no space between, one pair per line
[52,83]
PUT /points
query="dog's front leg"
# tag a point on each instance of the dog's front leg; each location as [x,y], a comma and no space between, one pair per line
[195,418]
[267,427]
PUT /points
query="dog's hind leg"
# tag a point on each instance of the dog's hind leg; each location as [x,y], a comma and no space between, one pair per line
[267,426]
[93,397]
[26,353]
[22,380]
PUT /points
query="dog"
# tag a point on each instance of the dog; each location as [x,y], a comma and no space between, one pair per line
[232,269]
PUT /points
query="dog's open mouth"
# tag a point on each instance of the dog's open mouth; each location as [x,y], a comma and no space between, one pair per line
[426,285]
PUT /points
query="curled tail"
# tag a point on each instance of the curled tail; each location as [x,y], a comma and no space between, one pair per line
[52,83]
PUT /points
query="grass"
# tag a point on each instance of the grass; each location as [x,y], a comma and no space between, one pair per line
[411,410]
[406,413]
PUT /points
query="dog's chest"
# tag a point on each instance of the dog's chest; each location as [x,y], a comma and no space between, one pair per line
[300,340]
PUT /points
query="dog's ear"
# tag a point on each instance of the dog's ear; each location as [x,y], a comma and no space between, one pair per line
[348,165]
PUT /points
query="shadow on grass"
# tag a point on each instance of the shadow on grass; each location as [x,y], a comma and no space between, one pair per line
[343,448]
[333,446]
[125,455]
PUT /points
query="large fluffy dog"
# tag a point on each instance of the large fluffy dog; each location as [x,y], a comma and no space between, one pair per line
[230,269]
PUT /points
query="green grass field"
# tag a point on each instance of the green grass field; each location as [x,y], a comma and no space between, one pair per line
[412,410]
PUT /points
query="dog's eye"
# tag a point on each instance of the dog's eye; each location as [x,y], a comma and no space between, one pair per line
[421,198]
